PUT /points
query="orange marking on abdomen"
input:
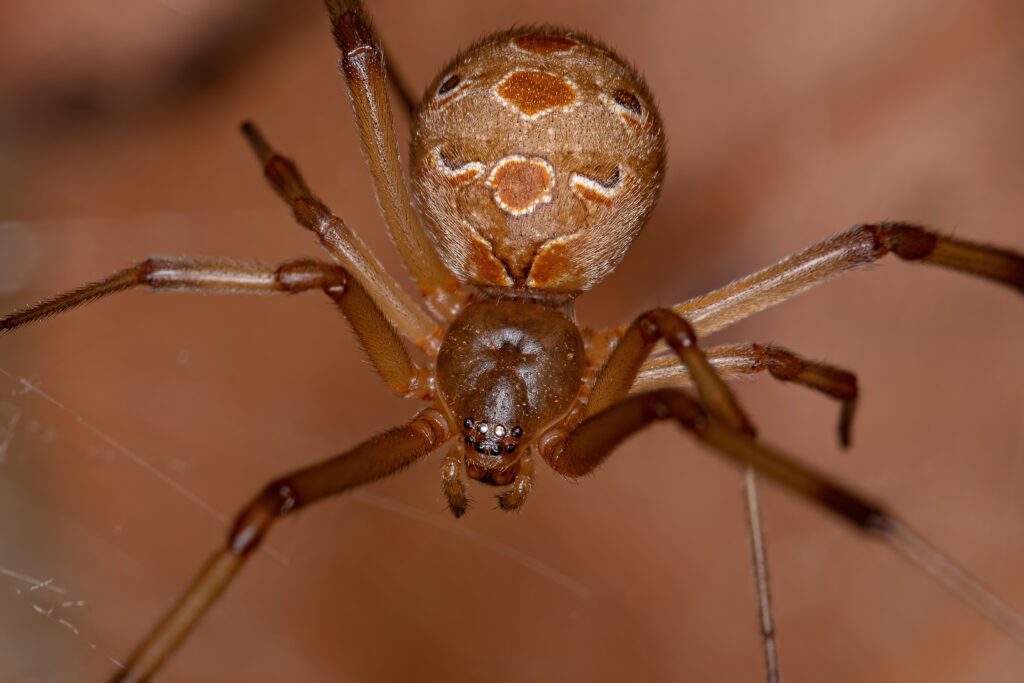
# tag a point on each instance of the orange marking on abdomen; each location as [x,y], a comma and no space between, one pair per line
[544,45]
[482,263]
[521,183]
[535,92]
[461,178]
[597,191]
[591,194]
[454,175]
[558,259]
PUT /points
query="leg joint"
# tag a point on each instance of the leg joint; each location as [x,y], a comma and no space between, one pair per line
[284,176]
[311,212]
[351,31]
[672,403]
[276,500]
[433,426]
[662,322]
[909,242]
[783,365]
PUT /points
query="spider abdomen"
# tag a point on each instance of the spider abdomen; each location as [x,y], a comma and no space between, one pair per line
[537,155]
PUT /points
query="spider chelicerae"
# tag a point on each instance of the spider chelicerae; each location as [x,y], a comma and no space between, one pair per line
[603,181]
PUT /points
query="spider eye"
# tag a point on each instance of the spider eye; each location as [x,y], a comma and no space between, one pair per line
[448,85]
[627,100]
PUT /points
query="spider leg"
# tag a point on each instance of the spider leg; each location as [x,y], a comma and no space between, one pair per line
[513,498]
[762,584]
[620,371]
[373,329]
[451,484]
[362,61]
[619,374]
[855,248]
[591,442]
[373,459]
[738,360]
[342,243]
[400,85]
[745,359]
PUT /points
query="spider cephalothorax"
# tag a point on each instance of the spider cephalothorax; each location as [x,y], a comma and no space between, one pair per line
[506,370]
[537,155]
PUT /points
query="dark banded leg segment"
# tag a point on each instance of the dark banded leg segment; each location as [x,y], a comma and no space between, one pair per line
[620,373]
[375,333]
[343,244]
[362,61]
[593,441]
[857,247]
[739,360]
[374,459]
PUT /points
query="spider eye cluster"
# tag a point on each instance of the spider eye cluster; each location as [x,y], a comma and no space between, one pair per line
[537,155]
[490,439]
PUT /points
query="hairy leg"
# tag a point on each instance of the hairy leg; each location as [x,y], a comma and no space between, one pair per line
[374,331]
[451,483]
[620,373]
[857,247]
[513,498]
[362,61]
[342,243]
[380,456]
[743,360]
[592,441]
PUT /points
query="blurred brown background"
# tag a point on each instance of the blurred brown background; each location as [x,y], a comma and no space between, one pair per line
[118,139]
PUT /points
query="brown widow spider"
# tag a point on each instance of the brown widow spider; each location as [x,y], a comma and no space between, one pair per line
[546,483]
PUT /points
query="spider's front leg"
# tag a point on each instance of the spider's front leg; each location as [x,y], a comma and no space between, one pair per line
[374,459]
[362,61]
